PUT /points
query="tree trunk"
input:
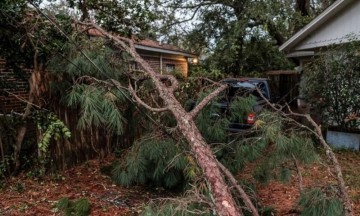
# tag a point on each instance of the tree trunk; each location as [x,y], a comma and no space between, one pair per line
[224,203]
[2,149]
[303,7]
[20,134]
[34,84]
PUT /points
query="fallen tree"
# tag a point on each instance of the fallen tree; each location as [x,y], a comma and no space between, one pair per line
[223,200]
[166,86]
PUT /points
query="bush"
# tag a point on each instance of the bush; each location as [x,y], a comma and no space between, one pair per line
[316,202]
[154,162]
[331,84]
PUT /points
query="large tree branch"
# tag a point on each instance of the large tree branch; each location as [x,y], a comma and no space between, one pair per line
[139,101]
[174,82]
[194,7]
[206,100]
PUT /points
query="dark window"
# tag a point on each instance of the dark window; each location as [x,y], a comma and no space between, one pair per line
[170,67]
[134,66]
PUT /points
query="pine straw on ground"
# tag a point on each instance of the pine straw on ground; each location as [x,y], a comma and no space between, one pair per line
[283,196]
[27,196]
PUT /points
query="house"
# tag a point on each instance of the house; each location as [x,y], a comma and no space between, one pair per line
[332,26]
[338,24]
[163,58]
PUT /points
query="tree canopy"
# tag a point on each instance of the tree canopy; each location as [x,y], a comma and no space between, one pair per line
[237,37]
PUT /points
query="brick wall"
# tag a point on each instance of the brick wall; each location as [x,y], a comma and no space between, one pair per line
[10,83]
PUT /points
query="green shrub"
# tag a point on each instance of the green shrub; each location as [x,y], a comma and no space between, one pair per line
[331,84]
[154,161]
[80,207]
[317,203]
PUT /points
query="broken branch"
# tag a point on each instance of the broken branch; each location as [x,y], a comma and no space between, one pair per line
[206,100]
[138,100]
[239,189]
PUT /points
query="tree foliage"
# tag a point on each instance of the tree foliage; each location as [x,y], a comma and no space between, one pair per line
[319,202]
[79,207]
[237,37]
[155,161]
[50,127]
[124,17]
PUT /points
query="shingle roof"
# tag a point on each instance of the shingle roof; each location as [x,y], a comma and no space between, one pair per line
[152,45]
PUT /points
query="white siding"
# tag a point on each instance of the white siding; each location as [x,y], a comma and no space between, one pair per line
[336,30]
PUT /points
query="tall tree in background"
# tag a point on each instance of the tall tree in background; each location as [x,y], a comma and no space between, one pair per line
[229,33]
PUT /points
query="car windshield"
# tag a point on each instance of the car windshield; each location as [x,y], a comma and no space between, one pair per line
[245,88]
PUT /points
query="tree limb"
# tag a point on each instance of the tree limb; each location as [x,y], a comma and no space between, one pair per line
[298,171]
[138,100]
[193,113]
[346,201]
[174,82]
[223,200]
[239,189]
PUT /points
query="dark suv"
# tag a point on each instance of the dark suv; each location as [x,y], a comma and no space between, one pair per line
[242,87]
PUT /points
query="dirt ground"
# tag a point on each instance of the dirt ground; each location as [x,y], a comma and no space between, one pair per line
[28,196]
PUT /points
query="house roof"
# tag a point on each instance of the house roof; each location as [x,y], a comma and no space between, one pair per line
[153,46]
[315,24]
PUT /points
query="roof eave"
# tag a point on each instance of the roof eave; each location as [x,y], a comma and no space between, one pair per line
[165,51]
[314,24]
[299,54]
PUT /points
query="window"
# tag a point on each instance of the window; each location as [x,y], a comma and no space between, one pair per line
[134,66]
[170,67]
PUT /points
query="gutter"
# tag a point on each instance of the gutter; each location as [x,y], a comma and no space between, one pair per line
[173,52]
[298,54]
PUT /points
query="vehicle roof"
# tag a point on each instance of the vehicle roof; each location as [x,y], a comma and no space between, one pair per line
[244,79]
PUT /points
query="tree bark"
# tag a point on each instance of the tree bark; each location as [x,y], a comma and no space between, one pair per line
[21,131]
[224,203]
[303,7]
[2,149]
